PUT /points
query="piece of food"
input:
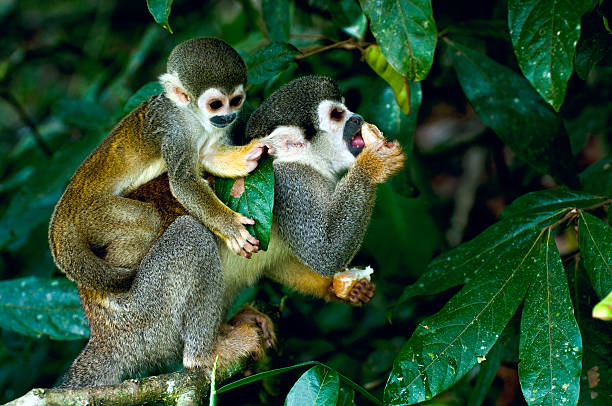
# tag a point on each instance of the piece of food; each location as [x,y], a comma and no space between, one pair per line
[344,281]
[371,134]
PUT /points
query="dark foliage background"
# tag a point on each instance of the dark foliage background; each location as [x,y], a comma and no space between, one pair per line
[483,138]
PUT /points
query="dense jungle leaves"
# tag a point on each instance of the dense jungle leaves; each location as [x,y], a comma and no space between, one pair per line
[495,300]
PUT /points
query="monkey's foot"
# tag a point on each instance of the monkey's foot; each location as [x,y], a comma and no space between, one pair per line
[249,315]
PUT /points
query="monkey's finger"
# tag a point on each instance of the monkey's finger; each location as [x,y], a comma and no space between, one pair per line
[246,220]
[256,153]
[253,240]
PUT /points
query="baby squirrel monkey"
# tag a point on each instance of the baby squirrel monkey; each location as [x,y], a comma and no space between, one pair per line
[183,132]
[325,187]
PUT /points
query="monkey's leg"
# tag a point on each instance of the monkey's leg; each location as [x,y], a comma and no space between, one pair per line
[123,229]
[100,363]
[229,161]
[178,289]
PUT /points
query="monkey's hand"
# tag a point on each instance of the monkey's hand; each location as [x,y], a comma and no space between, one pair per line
[250,315]
[228,161]
[362,292]
[379,159]
[236,236]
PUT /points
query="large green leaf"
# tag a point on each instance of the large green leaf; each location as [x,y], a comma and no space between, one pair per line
[551,199]
[253,197]
[550,348]
[36,307]
[595,239]
[446,346]
[160,10]
[544,34]
[269,61]
[479,255]
[318,386]
[406,32]
[143,94]
[33,204]
[277,19]
[508,104]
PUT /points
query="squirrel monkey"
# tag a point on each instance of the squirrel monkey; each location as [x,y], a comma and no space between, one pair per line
[182,131]
[325,187]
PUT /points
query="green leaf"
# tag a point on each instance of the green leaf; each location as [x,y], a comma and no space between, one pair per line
[506,102]
[36,307]
[595,240]
[277,19]
[143,94]
[346,396]
[406,32]
[550,199]
[398,83]
[33,204]
[269,61]
[254,200]
[550,347]
[318,386]
[382,109]
[82,113]
[263,375]
[481,254]
[603,309]
[597,178]
[486,375]
[160,10]
[544,34]
[447,345]
[348,16]
[595,43]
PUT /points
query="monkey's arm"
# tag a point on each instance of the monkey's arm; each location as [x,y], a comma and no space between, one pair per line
[324,225]
[228,161]
[194,193]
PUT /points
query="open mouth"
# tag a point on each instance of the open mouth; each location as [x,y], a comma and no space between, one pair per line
[356,142]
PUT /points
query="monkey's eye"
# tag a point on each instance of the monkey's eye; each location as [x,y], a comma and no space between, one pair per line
[236,101]
[336,114]
[215,104]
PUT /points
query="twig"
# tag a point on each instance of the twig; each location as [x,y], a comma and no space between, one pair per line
[185,387]
[12,100]
[348,44]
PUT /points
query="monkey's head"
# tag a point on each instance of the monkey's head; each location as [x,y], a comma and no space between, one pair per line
[311,108]
[206,76]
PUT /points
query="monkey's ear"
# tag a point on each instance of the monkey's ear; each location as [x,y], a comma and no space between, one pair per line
[286,141]
[174,89]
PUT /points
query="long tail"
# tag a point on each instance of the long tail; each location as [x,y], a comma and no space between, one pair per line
[74,257]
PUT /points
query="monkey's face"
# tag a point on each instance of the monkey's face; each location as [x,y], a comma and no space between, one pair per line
[218,108]
[339,133]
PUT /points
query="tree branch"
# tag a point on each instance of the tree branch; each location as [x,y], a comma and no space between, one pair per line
[186,387]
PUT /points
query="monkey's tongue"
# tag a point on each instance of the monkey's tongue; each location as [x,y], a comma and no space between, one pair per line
[357,141]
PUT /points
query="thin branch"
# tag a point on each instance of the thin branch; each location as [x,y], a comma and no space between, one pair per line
[348,44]
[183,388]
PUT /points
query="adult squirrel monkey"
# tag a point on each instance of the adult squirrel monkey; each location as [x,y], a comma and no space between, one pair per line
[183,131]
[325,187]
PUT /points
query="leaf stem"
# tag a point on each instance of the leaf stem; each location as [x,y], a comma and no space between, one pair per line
[348,44]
